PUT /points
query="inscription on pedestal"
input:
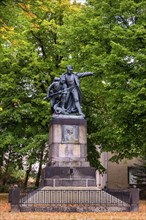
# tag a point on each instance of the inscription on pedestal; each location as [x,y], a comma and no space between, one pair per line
[69,150]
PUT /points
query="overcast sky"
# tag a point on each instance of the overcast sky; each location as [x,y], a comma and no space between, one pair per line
[78,1]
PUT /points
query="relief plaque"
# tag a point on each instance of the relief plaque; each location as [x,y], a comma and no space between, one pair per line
[70,134]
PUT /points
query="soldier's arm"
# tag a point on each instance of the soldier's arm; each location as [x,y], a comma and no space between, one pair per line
[49,90]
[80,75]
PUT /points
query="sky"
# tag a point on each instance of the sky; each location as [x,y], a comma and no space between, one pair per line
[79,1]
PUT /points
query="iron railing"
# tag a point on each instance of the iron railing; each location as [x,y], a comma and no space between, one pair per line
[58,199]
[67,197]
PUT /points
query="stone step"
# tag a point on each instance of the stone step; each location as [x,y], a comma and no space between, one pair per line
[67,182]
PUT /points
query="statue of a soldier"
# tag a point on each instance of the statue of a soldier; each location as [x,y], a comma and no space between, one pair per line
[66,99]
[57,93]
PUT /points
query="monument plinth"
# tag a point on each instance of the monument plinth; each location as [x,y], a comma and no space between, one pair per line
[68,165]
[68,141]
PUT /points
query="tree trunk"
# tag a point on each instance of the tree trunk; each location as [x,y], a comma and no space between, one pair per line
[40,169]
[5,175]
[5,178]
[26,177]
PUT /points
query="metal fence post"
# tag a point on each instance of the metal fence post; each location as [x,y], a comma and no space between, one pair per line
[134,200]
[14,197]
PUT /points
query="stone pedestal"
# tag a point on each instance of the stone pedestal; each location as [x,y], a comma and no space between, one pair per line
[68,165]
[68,182]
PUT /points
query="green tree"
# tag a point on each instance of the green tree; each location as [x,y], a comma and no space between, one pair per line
[108,38]
[39,38]
[30,59]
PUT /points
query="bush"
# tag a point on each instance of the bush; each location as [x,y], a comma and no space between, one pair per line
[4,188]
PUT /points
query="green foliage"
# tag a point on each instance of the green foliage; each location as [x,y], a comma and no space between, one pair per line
[29,62]
[108,38]
[39,38]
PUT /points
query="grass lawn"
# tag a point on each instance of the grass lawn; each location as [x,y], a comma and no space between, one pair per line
[5,214]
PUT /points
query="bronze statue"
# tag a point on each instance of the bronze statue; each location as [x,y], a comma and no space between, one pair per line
[65,93]
[57,93]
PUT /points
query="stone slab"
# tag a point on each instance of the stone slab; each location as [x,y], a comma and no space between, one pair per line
[65,172]
[67,150]
[76,208]
[69,182]
[69,163]
[68,119]
[68,176]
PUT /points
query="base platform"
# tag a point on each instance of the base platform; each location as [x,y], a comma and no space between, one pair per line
[66,176]
[71,199]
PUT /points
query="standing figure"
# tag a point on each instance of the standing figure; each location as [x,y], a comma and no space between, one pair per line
[73,98]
